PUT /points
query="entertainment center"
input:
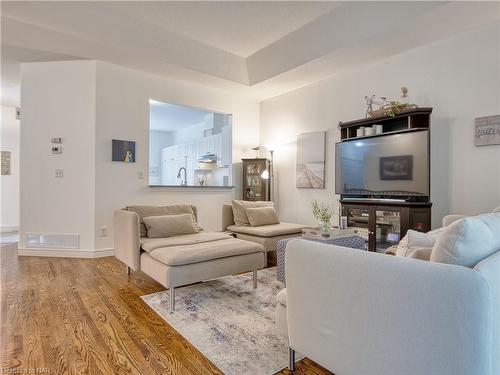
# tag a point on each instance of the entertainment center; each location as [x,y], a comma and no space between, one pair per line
[383,178]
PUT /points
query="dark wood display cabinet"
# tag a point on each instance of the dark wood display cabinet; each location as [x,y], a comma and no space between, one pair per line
[386,222]
[255,186]
[387,201]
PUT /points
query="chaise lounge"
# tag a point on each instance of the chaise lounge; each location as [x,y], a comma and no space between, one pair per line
[165,243]
[262,227]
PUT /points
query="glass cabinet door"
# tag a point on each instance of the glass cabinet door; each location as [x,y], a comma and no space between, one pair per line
[387,229]
[358,218]
[255,186]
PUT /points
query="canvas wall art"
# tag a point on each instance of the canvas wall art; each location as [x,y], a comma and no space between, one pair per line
[487,131]
[5,163]
[311,160]
[123,151]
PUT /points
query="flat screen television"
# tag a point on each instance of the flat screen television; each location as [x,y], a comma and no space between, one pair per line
[389,166]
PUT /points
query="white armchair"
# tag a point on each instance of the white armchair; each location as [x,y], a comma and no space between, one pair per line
[357,312]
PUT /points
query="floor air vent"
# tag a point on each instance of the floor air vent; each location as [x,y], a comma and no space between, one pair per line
[66,241]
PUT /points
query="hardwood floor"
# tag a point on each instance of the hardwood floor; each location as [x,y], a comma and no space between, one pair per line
[84,316]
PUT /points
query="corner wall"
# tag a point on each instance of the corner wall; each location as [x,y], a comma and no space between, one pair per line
[459,77]
[58,100]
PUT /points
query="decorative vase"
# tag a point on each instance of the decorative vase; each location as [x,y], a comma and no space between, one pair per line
[325,227]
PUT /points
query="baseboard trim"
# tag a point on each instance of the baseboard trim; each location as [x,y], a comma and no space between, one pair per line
[65,253]
[9,229]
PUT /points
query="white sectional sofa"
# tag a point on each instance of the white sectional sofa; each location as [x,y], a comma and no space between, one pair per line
[358,312]
[180,260]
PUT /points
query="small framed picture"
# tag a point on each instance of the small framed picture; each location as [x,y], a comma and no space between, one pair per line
[123,151]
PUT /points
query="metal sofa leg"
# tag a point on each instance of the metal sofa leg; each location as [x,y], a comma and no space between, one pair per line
[291,359]
[128,270]
[172,300]
[255,279]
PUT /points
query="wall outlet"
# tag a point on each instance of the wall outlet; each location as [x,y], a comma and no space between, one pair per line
[59,173]
[140,175]
[56,149]
[56,140]
[103,231]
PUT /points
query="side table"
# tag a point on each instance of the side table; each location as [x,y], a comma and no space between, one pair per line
[355,242]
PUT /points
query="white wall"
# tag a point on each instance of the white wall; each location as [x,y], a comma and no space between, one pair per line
[9,187]
[58,100]
[123,112]
[459,77]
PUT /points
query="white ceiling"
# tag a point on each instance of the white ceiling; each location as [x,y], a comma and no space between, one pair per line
[254,49]
[172,117]
[240,28]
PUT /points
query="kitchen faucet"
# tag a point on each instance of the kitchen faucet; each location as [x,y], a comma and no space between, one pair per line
[183,182]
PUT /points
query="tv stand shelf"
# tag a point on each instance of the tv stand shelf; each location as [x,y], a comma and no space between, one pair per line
[385,133]
[387,221]
[404,121]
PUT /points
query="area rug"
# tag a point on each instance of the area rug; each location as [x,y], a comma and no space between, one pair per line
[228,321]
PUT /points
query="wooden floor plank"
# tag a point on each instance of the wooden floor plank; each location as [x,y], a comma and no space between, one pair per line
[85,316]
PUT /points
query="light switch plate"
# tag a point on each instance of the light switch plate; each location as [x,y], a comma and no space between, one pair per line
[56,140]
[56,149]
[103,231]
[140,175]
[59,173]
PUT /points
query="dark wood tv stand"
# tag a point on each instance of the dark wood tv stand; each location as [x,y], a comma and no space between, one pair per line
[386,221]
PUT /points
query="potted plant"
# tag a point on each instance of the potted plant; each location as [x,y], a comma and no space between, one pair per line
[323,215]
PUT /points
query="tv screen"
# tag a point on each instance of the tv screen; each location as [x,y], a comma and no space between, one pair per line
[390,166]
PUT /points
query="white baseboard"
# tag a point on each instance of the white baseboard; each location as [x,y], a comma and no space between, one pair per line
[65,253]
[9,229]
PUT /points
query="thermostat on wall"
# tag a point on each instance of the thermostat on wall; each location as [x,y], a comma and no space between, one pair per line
[57,150]
[56,140]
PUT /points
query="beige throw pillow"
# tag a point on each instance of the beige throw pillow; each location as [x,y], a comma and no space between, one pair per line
[170,225]
[259,216]
[147,211]
[239,207]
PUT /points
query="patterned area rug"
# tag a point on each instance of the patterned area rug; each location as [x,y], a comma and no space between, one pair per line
[231,323]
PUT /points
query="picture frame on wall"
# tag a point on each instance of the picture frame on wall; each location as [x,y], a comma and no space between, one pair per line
[310,170]
[395,168]
[6,163]
[487,130]
[123,151]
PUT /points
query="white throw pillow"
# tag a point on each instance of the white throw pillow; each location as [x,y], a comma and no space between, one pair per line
[415,240]
[418,239]
[423,253]
[402,247]
[437,232]
[468,241]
